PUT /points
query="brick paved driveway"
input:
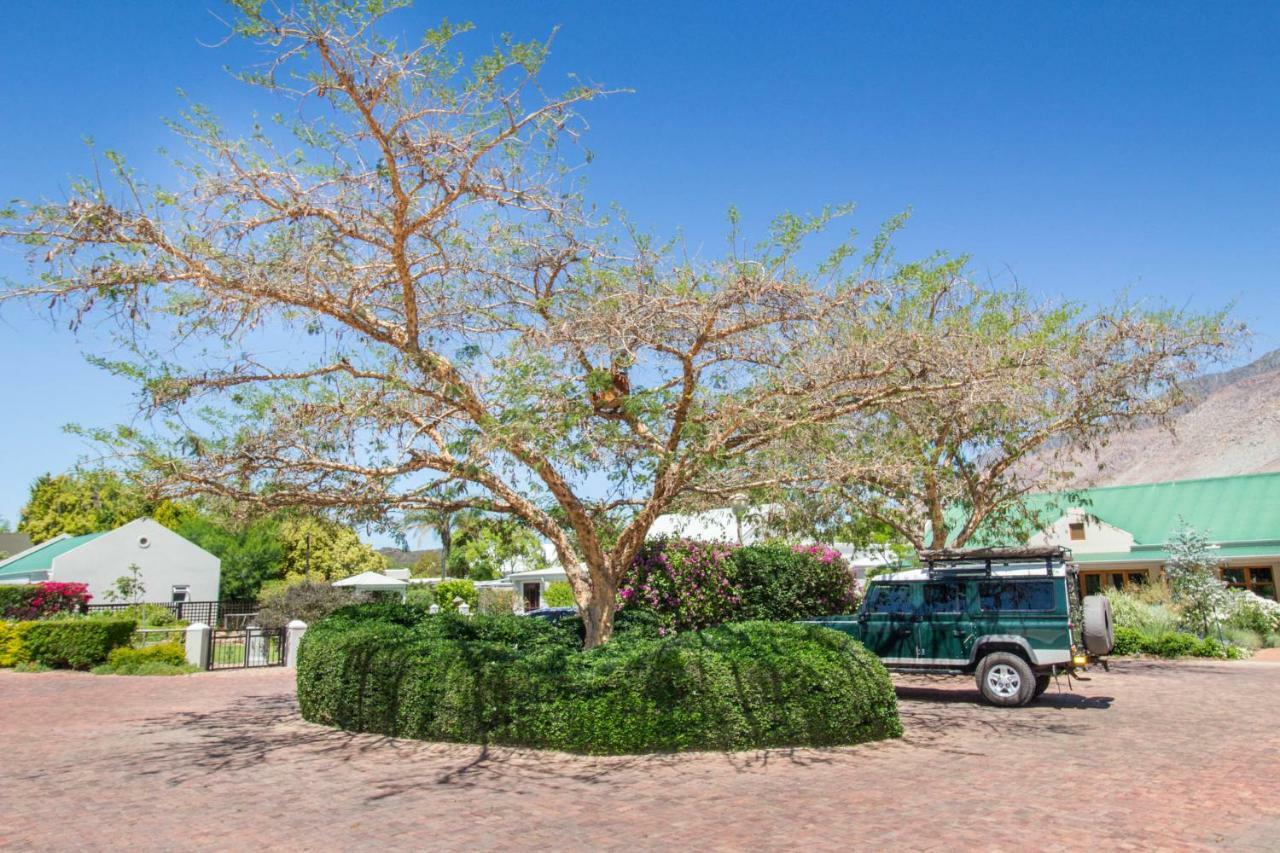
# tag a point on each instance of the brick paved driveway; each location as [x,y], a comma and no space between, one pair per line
[1150,755]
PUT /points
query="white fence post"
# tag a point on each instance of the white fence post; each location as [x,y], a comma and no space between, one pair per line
[198,636]
[294,632]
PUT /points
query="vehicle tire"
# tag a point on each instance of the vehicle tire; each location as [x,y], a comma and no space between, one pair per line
[1005,679]
[1042,684]
[1099,631]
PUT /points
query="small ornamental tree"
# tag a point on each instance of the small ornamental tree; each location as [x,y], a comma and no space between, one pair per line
[1192,570]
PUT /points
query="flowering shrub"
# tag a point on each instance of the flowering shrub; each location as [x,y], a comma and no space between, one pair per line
[695,585]
[1245,609]
[37,601]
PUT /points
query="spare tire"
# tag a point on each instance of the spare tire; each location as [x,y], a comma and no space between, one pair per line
[1099,632]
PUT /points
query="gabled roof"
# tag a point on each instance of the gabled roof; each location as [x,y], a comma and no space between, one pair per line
[39,558]
[14,543]
[372,580]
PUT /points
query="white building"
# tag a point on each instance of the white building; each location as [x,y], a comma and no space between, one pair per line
[170,567]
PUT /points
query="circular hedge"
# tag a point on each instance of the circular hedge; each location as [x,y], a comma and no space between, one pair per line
[513,680]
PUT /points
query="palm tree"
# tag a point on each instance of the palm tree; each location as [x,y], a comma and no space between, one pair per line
[433,521]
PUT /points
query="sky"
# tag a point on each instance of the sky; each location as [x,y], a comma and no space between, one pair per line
[1081,150]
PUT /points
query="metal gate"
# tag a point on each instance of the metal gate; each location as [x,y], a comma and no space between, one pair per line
[247,647]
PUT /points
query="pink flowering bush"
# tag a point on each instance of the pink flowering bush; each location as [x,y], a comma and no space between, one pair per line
[690,585]
[37,601]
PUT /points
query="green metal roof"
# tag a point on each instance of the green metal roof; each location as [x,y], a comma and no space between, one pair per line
[40,558]
[1241,514]
[1240,509]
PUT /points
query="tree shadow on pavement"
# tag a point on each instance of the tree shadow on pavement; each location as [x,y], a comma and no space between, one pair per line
[256,732]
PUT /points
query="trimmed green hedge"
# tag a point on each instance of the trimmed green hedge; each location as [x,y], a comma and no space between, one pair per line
[12,650]
[1130,641]
[75,643]
[511,680]
[159,658]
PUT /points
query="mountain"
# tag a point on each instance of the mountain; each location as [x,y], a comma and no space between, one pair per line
[1230,426]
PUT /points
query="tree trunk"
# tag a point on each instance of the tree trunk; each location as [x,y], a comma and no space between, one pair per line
[597,616]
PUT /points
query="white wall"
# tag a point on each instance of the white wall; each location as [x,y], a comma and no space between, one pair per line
[1099,537]
[165,558]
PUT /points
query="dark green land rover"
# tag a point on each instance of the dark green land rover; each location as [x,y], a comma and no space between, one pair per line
[1010,617]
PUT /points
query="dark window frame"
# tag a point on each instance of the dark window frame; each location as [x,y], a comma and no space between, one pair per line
[1047,584]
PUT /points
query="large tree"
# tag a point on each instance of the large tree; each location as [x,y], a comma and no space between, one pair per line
[944,468]
[462,332]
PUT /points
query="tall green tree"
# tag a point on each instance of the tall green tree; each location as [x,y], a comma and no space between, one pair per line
[485,545]
[79,502]
[251,553]
[469,333]
[319,549]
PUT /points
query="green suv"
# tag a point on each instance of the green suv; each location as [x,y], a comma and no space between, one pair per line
[1010,617]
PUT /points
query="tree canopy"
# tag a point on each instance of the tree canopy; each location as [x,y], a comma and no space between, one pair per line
[464,331]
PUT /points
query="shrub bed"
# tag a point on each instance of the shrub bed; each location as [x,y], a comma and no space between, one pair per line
[75,643]
[510,680]
[1130,641]
[158,659]
[691,585]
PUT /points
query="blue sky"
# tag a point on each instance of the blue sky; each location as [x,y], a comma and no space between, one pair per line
[1083,149]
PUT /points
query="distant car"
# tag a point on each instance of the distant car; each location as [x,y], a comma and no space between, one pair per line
[1010,617]
[552,614]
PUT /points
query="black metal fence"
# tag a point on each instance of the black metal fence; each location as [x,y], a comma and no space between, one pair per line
[248,647]
[217,614]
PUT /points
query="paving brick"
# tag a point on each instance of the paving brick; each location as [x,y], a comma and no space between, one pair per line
[1149,756]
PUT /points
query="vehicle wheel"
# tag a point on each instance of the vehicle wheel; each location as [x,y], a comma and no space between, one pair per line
[1006,679]
[1042,684]
[1099,631]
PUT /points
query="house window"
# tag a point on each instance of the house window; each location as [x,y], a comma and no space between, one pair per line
[181,593]
[532,596]
[1258,580]
[1077,531]
[1092,583]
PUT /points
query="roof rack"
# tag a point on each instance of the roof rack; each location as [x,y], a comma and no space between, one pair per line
[981,560]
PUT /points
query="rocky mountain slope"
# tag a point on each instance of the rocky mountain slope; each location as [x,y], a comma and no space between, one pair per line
[1232,426]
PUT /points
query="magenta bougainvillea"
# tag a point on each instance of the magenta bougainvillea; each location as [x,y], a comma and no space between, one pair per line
[692,585]
[37,601]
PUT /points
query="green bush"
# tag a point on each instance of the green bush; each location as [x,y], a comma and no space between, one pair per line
[559,594]
[76,643]
[310,601]
[420,595]
[512,680]
[150,615]
[1144,611]
[12,649]
[1130,641]
[694,585]
[447,591]
[147,660]
[496,601]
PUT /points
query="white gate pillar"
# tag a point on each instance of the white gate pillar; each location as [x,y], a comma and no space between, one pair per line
[198,637]
[294,632]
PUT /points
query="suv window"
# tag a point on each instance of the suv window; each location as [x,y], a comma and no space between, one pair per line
[943,598]
[890,598]
[1016,595]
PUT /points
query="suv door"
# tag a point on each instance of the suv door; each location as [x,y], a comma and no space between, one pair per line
[888,620]
[944,634]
